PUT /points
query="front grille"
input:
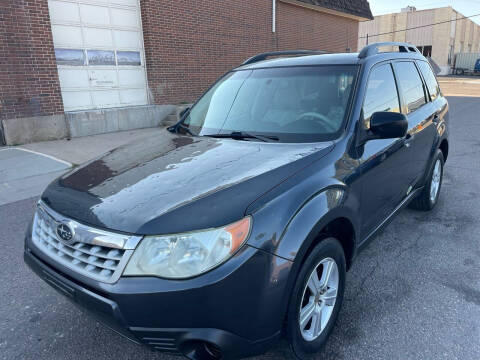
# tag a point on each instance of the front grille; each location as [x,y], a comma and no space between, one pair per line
[102,263]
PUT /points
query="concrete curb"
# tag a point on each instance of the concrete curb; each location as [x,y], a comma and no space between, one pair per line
[32,129]
[19,131]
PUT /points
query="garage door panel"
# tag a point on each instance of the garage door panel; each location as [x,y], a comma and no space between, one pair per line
[131,77]
[126,18]
[63,11]
[125,2]
[74,100]
[95,37]
[106,98]
[133,96]
[98,15]
[103,78]
[73,78]
[127,39]
[69,36]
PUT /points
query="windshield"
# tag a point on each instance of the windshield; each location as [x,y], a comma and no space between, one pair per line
[293,104]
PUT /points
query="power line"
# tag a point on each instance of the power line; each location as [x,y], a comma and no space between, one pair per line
[418,27]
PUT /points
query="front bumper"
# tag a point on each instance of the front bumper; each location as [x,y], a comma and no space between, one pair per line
[236,310]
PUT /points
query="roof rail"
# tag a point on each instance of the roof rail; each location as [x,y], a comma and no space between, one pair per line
[372,49]
[264,56]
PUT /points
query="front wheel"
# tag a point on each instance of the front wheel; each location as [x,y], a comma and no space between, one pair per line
[428,198]
[316,299]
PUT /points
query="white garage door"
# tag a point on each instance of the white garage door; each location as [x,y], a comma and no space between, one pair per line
[99,51]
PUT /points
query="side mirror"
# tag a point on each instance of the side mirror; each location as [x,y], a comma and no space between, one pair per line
[388,125]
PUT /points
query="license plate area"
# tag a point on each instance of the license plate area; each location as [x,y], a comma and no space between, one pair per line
[62,288]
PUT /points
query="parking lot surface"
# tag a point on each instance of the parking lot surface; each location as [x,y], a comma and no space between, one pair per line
[413,293]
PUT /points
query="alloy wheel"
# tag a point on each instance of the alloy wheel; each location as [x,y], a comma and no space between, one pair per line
[319,298]
[436,179]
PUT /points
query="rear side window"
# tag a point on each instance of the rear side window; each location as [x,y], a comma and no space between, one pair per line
[410,84]
[430,79]
[381,93]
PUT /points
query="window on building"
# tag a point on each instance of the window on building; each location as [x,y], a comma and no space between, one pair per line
[427,51]
[430,79]
[72,57]
[410,84]
[128,58]
[381,93]
[101,57]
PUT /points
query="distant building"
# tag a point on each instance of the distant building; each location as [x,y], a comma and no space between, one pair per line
[441,42]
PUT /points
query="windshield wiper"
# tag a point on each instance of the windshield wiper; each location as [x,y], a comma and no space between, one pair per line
[175,128]
[240,135]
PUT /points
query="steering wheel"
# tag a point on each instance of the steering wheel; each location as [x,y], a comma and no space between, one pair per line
[319,119]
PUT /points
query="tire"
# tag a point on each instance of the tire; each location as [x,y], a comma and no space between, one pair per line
[326,255]
[425,201]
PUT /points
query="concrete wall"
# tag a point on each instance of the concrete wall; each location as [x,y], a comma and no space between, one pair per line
[82,123]
[441,38]
[423,35]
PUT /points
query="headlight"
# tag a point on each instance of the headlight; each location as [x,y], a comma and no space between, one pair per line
[185,255]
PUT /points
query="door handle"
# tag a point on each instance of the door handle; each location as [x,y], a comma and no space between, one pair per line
[436,119]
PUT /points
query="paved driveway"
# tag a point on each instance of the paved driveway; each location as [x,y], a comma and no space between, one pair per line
[414,293]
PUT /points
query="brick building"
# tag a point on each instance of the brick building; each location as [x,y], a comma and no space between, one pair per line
[79,67]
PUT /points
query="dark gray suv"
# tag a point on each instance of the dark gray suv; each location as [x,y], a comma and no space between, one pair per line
[237,226]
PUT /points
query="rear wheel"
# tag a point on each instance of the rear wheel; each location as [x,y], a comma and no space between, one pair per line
[316,299]
[428,198]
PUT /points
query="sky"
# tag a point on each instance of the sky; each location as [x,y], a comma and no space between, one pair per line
[466,7]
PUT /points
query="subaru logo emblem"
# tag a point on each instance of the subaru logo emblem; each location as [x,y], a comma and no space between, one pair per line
[64,232]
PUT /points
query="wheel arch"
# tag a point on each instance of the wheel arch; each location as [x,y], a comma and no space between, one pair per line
[341,229]
[444,148]
[329,213]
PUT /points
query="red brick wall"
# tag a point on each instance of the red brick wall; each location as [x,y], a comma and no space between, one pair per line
[189,44]
[29,84]
[302,28]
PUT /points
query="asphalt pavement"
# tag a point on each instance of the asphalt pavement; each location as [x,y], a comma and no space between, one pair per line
[24,173]
[413,293]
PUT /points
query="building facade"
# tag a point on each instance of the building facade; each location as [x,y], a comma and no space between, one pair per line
[453,33]
[78,67]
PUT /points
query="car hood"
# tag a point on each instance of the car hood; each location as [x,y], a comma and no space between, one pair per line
[171,183]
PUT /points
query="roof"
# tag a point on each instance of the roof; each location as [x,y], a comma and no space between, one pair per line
[330,59]
[359,8]
[326,59]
